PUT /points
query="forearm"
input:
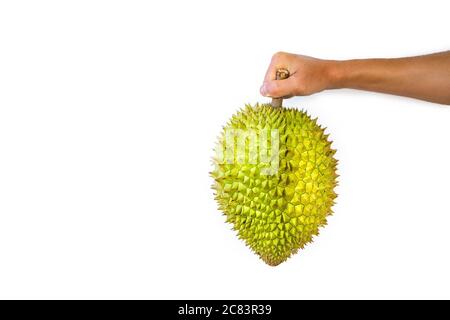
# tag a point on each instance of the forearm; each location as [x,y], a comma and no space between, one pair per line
[423,77]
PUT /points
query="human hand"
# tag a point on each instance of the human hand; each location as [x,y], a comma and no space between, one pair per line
[308,75]
[423,77]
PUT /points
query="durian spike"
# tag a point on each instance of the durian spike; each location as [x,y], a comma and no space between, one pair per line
[281,74]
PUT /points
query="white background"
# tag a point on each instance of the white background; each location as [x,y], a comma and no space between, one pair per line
[108,115]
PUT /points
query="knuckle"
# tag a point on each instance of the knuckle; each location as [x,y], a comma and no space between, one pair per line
[278,55]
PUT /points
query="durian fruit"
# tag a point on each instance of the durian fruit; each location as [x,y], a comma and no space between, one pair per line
[274,178]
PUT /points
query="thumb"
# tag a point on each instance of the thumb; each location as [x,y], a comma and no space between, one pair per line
[278,88]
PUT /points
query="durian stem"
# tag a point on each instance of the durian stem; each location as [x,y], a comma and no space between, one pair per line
[281,74]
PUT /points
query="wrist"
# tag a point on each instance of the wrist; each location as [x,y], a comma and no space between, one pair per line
[335,74]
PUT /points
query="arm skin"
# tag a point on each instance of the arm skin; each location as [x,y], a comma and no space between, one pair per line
[423,77]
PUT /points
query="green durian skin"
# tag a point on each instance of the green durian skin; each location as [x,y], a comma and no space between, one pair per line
[278,214]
